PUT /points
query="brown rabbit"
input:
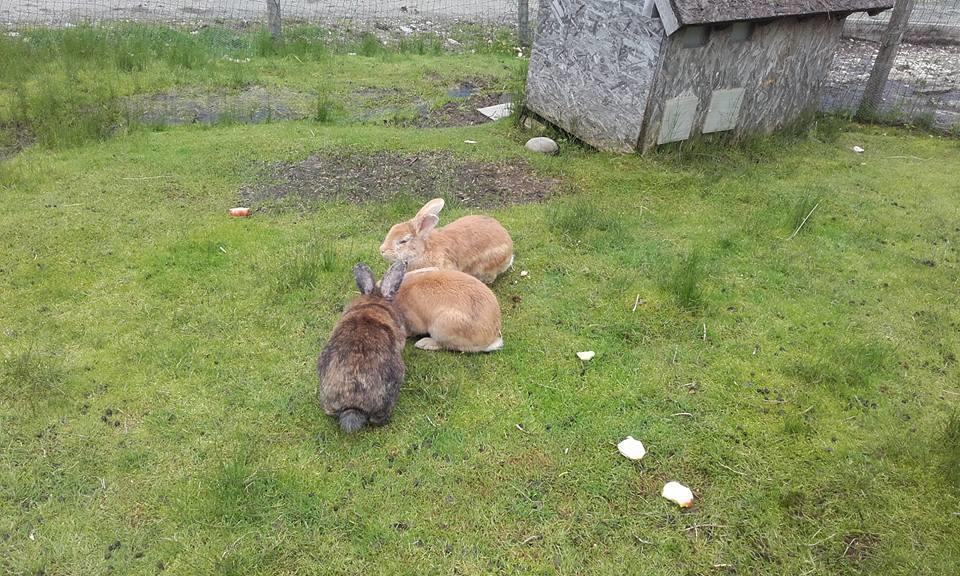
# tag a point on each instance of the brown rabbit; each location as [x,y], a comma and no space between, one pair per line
[361,368]
[458,311]
[477,245]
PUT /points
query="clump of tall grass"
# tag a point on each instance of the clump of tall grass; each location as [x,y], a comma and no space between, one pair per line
[324,107]
[801,213]
[31,377]
[577,216]
[302,269]
[61,112]
[684,280]
[951,449]
[518,95]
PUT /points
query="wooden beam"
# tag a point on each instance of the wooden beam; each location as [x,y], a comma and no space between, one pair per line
[274,21]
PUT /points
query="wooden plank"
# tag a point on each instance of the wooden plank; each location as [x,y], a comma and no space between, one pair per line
[523,22]
[690,12]
[274,20]
[592,68]
[781,69]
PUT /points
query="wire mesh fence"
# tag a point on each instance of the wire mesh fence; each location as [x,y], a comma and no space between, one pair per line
[923,86]
[187,12]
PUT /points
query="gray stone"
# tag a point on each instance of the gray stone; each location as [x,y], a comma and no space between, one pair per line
[542,145]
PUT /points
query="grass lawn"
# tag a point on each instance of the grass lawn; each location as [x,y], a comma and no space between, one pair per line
[158,405]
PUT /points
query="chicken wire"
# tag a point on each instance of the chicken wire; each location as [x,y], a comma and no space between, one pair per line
[62,12]
[924,84]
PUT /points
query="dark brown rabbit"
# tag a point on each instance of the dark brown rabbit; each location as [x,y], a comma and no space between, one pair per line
[361,368]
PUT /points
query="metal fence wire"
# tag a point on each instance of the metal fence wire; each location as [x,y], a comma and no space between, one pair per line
[923,86]
[186,12]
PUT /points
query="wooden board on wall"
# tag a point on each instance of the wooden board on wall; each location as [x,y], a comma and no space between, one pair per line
[781,68]
[592,69]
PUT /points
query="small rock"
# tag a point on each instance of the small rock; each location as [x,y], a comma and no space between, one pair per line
[587,355]
[632,448]
[677,492]
[452,42]
[542,145]
[406,29]
[524,273]
[857,149]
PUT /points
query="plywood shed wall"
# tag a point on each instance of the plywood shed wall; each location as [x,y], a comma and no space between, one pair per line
[757,84]
[593,67]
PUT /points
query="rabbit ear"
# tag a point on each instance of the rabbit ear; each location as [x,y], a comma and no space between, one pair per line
[432,207]
[364,277]
[392,278]
[426,223]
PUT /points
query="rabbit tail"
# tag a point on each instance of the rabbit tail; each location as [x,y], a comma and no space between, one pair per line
[352,420]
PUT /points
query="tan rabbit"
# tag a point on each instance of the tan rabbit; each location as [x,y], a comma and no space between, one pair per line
[477,245]
[457,310]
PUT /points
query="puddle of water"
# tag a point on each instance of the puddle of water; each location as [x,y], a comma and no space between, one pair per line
[464,90]
[254,105]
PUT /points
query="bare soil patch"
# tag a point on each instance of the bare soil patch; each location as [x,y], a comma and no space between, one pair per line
[14,137]
[859,547]
[356,178]
[394,106]
[458,112]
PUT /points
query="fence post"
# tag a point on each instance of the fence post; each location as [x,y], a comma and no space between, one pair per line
[274,22]
[523,22]
[889,44]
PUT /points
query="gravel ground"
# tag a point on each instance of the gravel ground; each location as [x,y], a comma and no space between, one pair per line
[924,79]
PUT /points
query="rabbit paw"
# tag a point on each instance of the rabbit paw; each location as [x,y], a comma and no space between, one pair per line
[427,344]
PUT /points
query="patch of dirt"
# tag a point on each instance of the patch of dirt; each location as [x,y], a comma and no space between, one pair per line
[395,106]
[859,547]
[14,137]
[459,112]
[355,177]
[252,105]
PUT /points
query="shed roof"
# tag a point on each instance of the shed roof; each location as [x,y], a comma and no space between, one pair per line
[679,13]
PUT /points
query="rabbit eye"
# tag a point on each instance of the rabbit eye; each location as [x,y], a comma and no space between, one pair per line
[403,241]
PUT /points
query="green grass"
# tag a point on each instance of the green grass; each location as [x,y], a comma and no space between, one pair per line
[951,449]
[685,279]
[157,359]
[67,87]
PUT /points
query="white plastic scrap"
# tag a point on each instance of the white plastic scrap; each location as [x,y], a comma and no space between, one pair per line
[857,149]
[497,111]
[587,355]
[677,492]
[632,448]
